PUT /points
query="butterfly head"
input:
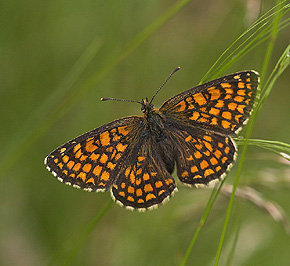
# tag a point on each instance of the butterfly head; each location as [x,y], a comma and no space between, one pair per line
[147,106]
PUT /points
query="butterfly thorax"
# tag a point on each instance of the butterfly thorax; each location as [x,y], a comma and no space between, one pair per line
[152,119]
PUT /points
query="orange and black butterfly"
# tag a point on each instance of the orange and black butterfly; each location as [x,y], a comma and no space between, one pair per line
[135,156]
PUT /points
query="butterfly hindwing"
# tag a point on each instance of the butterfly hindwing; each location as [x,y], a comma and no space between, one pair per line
[221,105]
[202,156]
[144,180]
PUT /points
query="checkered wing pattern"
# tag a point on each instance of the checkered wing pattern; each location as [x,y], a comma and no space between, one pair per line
[92,161]
[144,180]
[221,105]
[202,156]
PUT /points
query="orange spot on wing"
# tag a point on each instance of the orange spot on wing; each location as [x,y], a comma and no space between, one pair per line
[141,158]
[241,85]
[197,155]
[70,164]
[123,130]
[199,98]
[77,167]
[224,159]
[89,145]
[111,165]
[131,190]
[218,154]
[208,172]
[105,138]
[158,184]
[215,93]
[116,137]
[226,85]
[97,170]
[239,98]
[208,146]
[194,116]
[105,176]
[104,158]
[150,196]
[184,174]
[214,111]
[220,104]
[182,106]
[127,171]
[87,167]
[94,156]
[65,172]
[190,158]
[187,139]
[76,148]
[82,176]
[91,180]
[121,148]
[227,115]
[65,159]
[78,154]
[118,156]
[226,124]
[193,169]
[146,177]
[237,118]
[208,138]
[214,121]
[232,106]
[227,150]
[241,92]
[213,161]
[203,164]
[139,192]
[168,181]
[132,177]
[148,188]
[130,198]
[83,157]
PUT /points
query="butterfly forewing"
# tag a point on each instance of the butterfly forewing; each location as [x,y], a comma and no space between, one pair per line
[221,105]
[92,160]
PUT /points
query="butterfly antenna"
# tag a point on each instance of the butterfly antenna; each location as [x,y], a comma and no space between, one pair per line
[175,70]
[119,100]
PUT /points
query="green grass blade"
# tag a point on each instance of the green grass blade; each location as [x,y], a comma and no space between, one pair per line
[260,29]
[275,146]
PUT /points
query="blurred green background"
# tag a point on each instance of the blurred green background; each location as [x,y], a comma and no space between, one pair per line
[40,42]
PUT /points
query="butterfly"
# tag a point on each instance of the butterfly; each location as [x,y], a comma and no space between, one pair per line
[135,156]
